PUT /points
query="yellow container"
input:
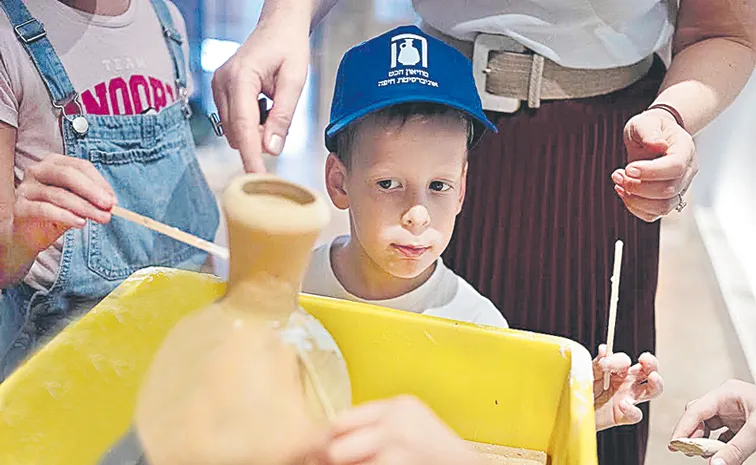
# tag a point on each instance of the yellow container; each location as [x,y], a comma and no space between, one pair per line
[74,399]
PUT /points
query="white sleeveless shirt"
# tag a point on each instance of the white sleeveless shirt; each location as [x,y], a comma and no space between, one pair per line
[587,34]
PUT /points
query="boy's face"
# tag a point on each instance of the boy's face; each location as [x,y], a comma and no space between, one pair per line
[404,188]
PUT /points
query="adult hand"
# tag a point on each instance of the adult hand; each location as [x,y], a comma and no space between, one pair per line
[731,406]
[661,165]
[398,431]
[272,61]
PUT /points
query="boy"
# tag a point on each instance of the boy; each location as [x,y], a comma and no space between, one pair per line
[404,114]
[405,111]
[93,112]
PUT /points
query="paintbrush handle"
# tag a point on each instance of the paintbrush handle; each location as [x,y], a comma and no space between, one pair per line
[172,232]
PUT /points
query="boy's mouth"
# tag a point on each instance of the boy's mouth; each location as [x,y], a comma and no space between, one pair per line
[411,251]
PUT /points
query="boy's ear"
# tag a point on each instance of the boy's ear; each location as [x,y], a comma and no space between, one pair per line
[335,180]
[462,188]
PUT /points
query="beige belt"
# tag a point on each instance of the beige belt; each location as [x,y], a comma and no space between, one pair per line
[507,73]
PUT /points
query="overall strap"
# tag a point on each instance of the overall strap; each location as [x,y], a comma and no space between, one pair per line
[31,33]
[173,39]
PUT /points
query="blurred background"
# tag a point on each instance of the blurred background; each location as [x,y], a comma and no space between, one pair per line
[705,304]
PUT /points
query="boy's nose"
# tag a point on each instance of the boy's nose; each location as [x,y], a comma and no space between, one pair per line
[416,217]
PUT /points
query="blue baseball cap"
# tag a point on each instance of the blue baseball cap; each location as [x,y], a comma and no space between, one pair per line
[403,65]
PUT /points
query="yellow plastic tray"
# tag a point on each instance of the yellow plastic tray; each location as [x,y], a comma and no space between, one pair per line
[74,399]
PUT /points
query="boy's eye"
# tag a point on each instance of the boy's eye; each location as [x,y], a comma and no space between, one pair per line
[388,184]
[439,186]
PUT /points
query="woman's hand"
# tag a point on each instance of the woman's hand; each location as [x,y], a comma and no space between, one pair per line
[661,165]
[272,61]
[731,406]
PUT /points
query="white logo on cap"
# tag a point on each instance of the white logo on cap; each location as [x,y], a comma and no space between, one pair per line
[413,61]
[407,54]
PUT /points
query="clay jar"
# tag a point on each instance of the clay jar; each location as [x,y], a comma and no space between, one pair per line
[229,385]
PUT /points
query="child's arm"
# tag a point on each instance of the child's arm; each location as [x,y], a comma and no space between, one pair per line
[629,386]
[55,195]
[401,430]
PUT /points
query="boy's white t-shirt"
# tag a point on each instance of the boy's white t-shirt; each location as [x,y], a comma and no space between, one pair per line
[119,65]
[444,295]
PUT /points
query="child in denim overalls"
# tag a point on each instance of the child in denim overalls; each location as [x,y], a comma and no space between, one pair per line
[126,138]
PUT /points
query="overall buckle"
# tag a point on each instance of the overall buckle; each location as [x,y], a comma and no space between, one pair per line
[40,29]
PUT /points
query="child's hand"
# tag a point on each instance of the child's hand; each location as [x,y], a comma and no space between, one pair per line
[628,387]
[399,431]
[57,194]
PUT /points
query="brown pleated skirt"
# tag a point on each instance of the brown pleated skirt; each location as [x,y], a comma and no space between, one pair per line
[536,234]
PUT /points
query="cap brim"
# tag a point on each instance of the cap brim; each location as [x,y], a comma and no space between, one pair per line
[480,122]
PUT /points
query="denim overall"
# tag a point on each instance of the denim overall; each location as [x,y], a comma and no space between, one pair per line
[149,161]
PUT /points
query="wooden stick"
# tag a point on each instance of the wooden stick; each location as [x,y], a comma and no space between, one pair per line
[172,232]
[613,306]
[317,386]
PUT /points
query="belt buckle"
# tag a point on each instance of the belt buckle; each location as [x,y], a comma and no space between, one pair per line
[484,44]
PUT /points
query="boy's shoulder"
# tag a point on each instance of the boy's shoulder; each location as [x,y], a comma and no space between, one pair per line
[445,294]
[319,278]
[457,299]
